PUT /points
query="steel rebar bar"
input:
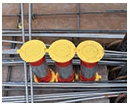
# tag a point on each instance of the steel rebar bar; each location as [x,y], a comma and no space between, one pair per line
[60,96]
[66,35]
[65,89]
[20,84]
[71,13]
[64,31]
[23,37]
[30,69]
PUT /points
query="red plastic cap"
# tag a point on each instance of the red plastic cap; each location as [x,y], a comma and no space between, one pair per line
[65,64]
[88,65]
[38,63]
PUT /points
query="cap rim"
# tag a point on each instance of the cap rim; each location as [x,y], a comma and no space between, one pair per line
[90,46]
[62,50]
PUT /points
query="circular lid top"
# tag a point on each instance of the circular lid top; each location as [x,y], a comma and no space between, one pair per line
[90,51]
[32,51]
[62,50]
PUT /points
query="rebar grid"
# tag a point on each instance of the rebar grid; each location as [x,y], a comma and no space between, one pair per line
[30,33]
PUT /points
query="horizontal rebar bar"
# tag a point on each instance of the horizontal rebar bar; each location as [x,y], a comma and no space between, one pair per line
[85,99]
[59,96]
[105,36]
[7,41]
[65,89]
[70,13]
[20,84]
[63,31]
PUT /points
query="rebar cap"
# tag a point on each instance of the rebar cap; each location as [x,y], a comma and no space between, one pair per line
[32,51]
[90,51]
[62,50]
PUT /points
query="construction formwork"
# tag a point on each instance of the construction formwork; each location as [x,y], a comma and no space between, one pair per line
[76,91]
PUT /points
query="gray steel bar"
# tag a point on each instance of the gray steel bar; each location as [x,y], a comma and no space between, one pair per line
[30,26]
[120,52]
[66,94]
[78,21]
[105,36]
[30,20]
[115,54]
[68,84]
[75,100]
[61,96]
[71,13]
[65,89]
[64,31]
[124,59]
[25,71]
[9,51]
[7,41]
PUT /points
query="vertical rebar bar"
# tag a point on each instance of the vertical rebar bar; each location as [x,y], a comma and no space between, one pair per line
[78,21]
[31,75]
[25,70]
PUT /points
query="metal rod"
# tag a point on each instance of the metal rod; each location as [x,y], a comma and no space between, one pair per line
[115,54]
[71,13]
[67,84]
[110,51]
[61,96]
[84,99]
[78,21]
[52,95]
[25,71]
[7,41]
[30,26]
[105,36]
[30,20]
[64,89]
[63,31]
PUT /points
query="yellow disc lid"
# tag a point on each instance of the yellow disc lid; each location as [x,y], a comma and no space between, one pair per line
[62,50]
[90,51]
[32,50]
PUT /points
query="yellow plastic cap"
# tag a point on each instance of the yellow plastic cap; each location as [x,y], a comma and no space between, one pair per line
[90,51]
[32,50]
[62,50]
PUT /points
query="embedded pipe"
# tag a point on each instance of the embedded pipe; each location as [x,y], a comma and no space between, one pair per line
[33,52]
[89,52]
[62,52]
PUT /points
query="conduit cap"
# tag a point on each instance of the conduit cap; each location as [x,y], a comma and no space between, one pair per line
[32,51]
[62,50]
[90,51]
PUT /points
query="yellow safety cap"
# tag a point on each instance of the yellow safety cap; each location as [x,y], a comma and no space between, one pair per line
[90,51]
[62,50]
[32,51]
